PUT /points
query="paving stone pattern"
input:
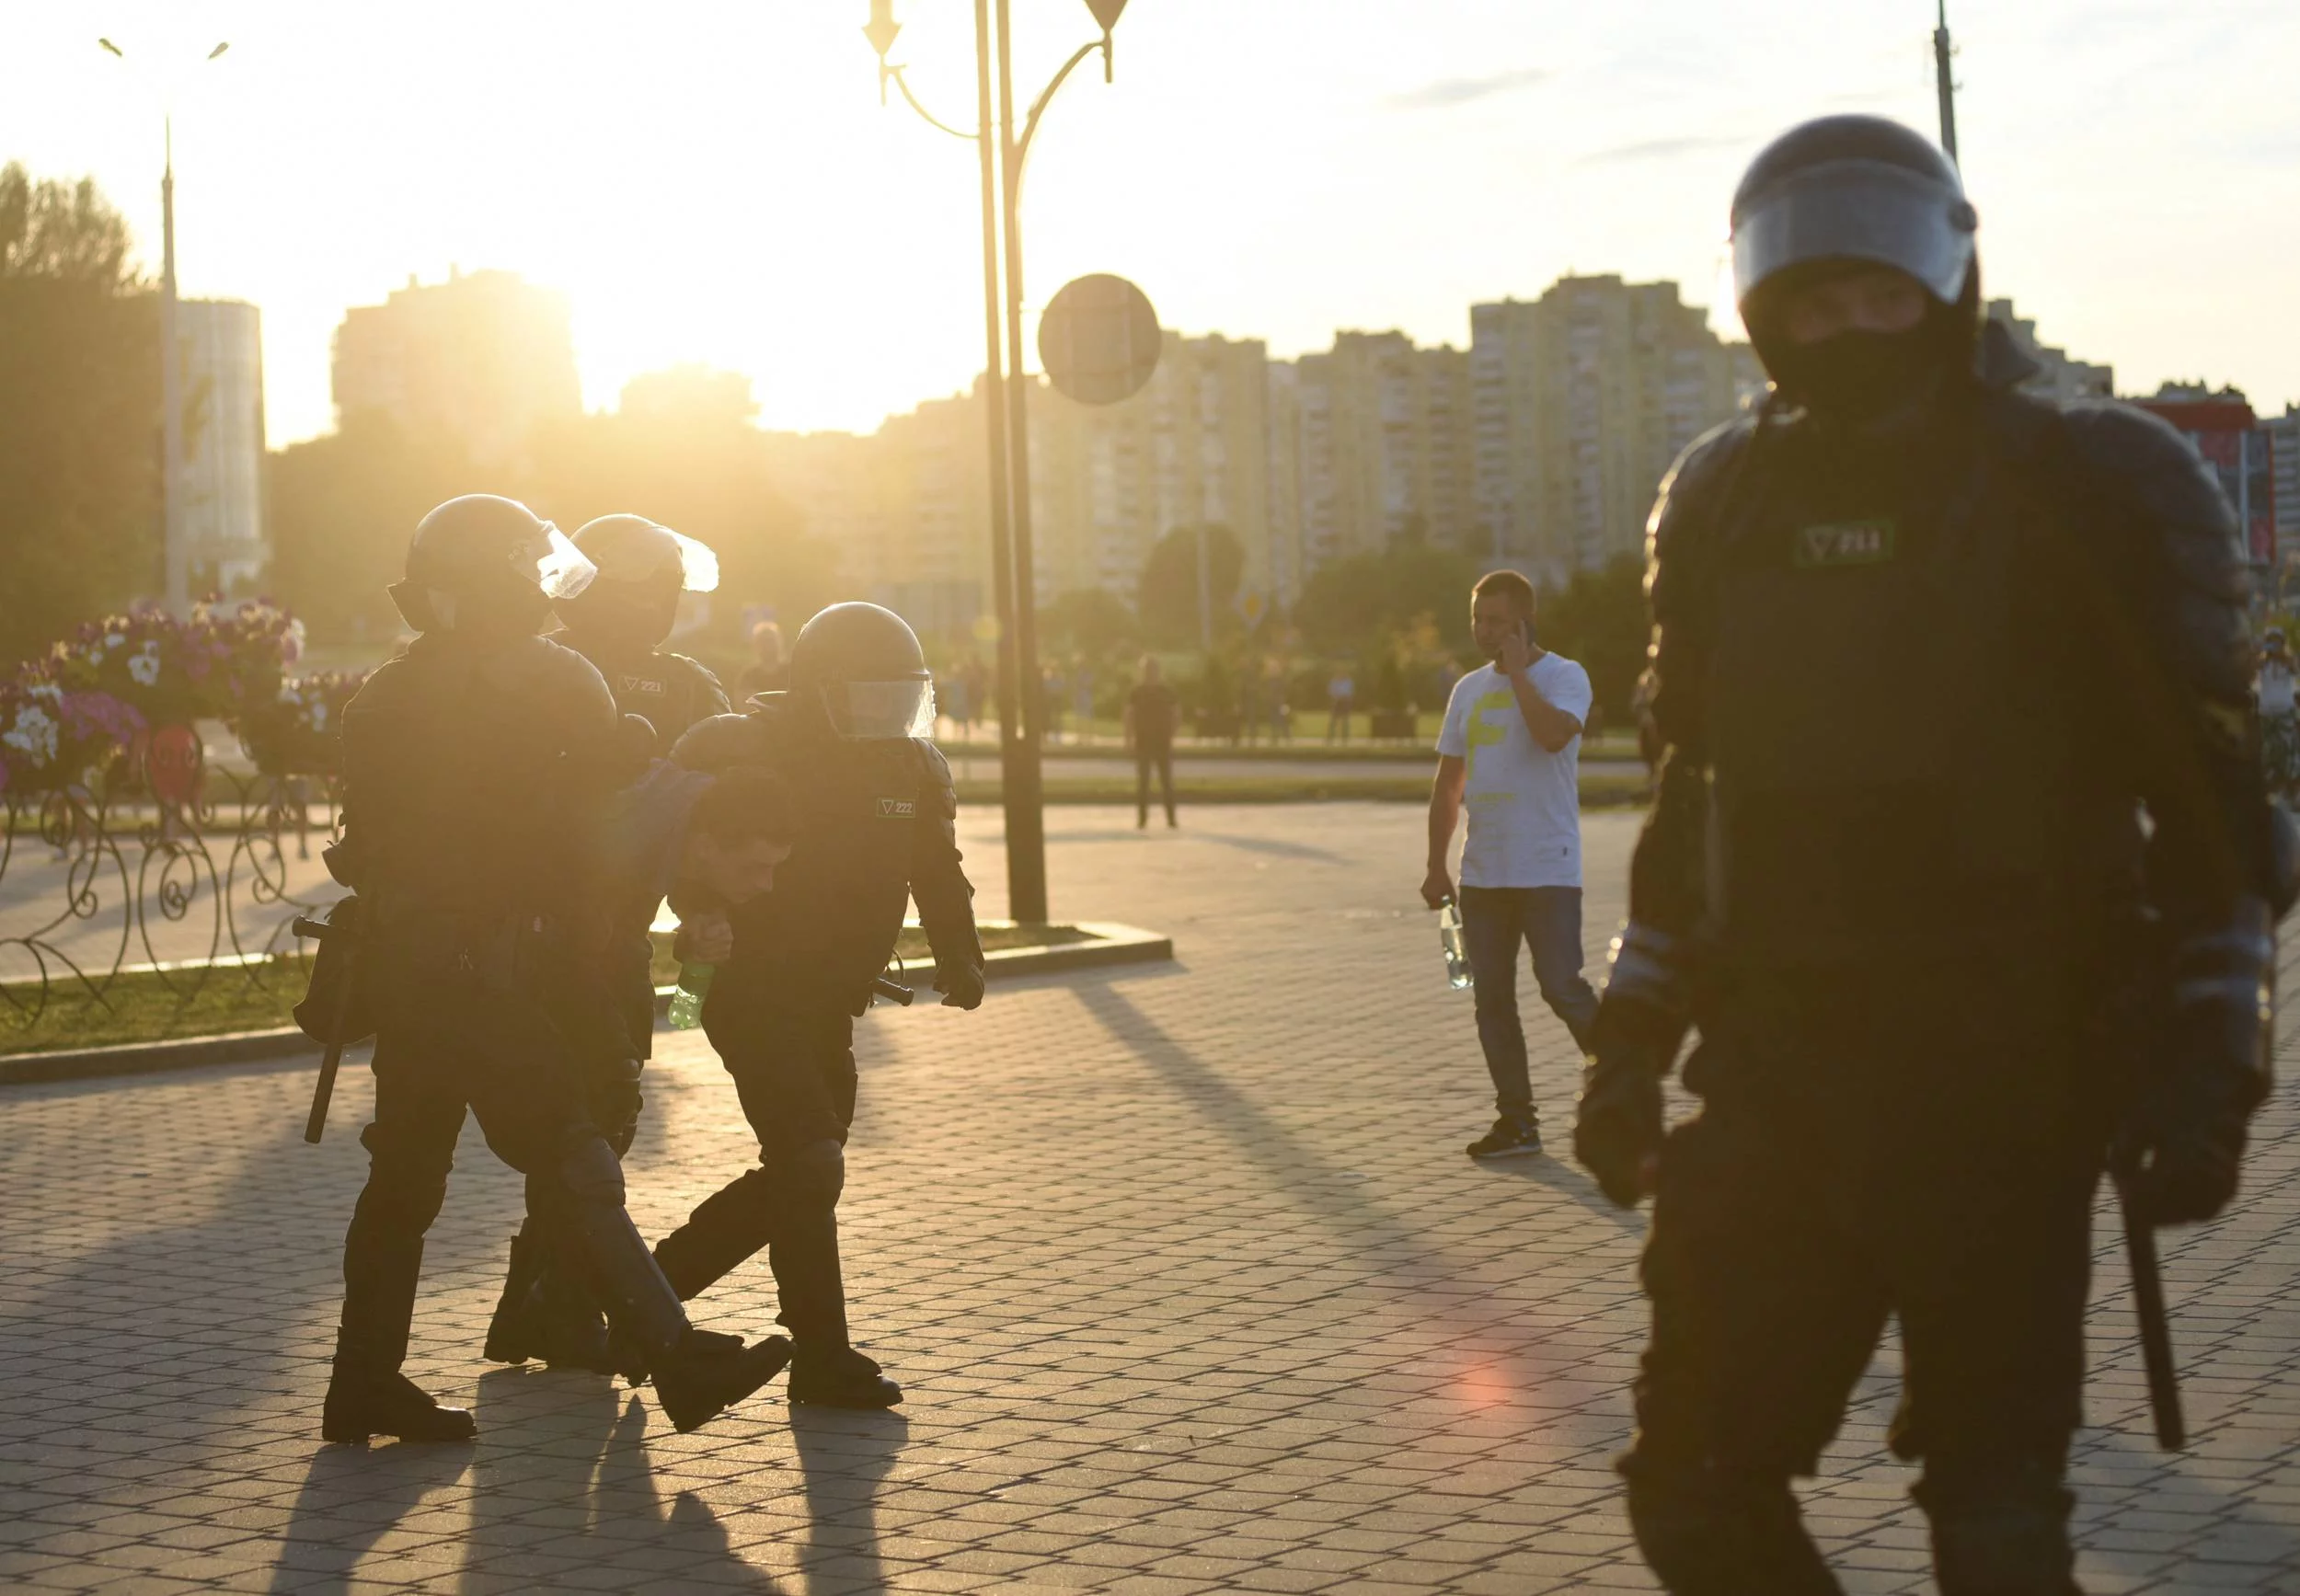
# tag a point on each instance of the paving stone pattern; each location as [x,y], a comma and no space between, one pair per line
[1185,1273]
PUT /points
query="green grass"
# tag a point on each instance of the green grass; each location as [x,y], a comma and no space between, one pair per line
[143,1007]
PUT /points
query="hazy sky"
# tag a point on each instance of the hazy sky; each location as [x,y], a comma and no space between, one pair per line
[715,180]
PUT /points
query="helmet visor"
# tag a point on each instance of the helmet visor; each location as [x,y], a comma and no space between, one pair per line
[871,711]
[699,563]
[553,564]
[1869,211]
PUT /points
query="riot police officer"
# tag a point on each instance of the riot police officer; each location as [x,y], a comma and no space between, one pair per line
[876,828]
[1951,682]
[466,763]
[618,622]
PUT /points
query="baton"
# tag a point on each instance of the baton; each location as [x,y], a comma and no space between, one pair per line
[2156,1331]
[892,992]
[325,1089]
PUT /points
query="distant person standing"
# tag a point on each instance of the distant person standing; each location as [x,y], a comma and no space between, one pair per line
[1151,712]
[767,672]
[1510,748]
[1341,694]
[2279,720]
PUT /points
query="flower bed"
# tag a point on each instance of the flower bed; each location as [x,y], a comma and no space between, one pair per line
[97,702]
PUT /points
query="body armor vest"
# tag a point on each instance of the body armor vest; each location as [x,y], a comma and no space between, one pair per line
[830,925]
[671,690]
[1906,759]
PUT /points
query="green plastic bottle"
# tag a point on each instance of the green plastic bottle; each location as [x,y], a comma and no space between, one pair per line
[686,1003]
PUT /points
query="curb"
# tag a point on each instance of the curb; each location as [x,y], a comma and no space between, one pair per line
[1113,945]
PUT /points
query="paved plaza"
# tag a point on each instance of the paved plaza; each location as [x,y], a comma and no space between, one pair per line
[1182,1267]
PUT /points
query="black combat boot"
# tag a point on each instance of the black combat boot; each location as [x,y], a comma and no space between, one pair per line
[707,1374]
[515,1334]
[362,1404]
[840,1377]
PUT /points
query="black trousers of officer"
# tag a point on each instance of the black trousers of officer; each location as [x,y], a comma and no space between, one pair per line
[794,1072]
[497,1059]
[1862,1155]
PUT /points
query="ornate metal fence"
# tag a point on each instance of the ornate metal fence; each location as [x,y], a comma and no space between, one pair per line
[98,884]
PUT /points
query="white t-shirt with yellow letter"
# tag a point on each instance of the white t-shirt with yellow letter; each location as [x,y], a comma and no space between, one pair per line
[1524,802]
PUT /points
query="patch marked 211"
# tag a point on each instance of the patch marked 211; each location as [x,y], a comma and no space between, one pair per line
[1843,543]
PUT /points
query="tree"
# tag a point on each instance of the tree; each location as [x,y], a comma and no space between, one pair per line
[80,502]
[1169,596]
[343,507]
[1089,624]
[1598,619]
[1356,604]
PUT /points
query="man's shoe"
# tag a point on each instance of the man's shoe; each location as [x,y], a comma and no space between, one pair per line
[707,1374]
[1509,1138]
[844,1378]
[360,1406]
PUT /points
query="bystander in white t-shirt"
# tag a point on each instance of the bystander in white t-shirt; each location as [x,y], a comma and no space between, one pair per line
[2275,688]
[1524,802]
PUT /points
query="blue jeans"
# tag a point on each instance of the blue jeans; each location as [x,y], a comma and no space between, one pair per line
[1495,920]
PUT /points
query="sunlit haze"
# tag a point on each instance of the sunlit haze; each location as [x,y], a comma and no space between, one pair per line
[715,181]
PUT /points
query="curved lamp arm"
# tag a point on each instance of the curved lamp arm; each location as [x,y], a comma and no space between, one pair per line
[1038,105]
[895,73]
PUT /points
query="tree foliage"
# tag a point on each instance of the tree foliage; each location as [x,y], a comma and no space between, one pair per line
[80,498]
[1169,596]
[1598,619]
[1352,605]
[343,507]
[1089,624]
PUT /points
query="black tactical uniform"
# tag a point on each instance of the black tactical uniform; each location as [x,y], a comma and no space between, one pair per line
[617,622]
[1924,652]
[876,810]
[466,762]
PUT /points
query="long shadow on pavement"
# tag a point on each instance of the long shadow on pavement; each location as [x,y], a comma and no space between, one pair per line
[351,1498]
[561,1484]
[843,1457]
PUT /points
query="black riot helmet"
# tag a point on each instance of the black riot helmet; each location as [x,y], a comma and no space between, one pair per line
[863,664]
[482,564]
[643,569]
[1842,192]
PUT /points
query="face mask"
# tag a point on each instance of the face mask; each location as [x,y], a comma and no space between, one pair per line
[1860,376]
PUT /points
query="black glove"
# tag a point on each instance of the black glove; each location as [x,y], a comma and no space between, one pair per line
[1617,1131]
[1640,1023]
[961,985]
[2183,1145]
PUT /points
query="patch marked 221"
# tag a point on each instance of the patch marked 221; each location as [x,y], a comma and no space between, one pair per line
[1842,543]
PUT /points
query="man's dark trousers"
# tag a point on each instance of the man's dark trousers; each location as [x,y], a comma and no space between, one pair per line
[1497,921]
[497,1059]
[794,1072]
[1147,759]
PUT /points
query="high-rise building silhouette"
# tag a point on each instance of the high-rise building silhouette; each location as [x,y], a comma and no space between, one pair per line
[483,357]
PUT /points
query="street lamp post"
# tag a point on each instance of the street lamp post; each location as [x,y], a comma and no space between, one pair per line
[175,546]
[1005,148]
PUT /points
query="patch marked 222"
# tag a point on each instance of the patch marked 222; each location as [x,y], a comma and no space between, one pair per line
[1844,543]
[896,808]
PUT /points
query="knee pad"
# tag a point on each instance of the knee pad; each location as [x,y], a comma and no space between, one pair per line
[591,1174]
[1999,1529]
[816,1174]
[405,1189]
[1705,1533]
